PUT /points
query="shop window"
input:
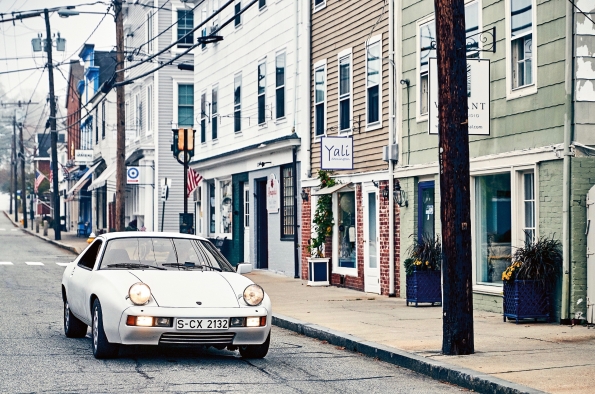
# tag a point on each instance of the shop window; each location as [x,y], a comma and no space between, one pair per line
[346,229]
[287,201]
[212,218]
[528,207]
[425,214]
[492,227]
[226,206]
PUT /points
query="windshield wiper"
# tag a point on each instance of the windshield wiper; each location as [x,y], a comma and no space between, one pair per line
[189,265]
[132,265]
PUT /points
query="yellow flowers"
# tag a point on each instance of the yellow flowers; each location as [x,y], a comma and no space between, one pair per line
[417,262]
[427,263]
[509,272]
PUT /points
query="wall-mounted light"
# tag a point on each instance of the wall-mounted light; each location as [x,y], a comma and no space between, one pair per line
[385,192]
[262,163]
[400,195]
[304,195]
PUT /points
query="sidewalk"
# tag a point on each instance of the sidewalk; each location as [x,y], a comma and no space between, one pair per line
[509,358]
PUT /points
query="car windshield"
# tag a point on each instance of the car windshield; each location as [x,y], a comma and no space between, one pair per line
[163,253]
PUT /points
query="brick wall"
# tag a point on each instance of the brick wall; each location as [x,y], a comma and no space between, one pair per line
[384,242]
[306,229]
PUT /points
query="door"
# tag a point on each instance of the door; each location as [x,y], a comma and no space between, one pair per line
[425,214]
[371,260]
[80,277]
[262,225]
[246,222]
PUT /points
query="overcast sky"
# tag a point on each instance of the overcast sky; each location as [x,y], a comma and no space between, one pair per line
[16,52]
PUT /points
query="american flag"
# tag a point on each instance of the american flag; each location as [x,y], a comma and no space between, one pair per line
[39,177]
[51,176]
[194,179]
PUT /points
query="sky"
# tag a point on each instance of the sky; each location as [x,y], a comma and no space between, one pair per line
[16,52]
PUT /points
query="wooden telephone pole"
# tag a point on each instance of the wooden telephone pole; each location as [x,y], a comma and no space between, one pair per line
[121,121]
[457,299]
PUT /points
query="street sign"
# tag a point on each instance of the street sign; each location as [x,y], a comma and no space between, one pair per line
[132,175]
[478,93]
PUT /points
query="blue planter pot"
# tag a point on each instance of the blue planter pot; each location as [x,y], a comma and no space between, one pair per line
[424,286]
[525,299]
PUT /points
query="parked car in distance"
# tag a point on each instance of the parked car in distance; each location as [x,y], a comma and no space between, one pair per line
[142,288]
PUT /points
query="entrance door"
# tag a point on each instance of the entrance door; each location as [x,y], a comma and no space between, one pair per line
[262,225]
[246,222]
[371,260]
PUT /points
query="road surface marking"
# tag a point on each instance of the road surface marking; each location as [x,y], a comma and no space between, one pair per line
[62,264]
[5,263]
[14,229]
[2,229]
[33,263]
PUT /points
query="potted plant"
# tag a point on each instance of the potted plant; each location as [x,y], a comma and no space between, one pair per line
[529,280]
[318,272]
[422,269]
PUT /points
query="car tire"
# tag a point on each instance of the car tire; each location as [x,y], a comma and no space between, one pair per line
[256,351]
[102,348]
[73,327]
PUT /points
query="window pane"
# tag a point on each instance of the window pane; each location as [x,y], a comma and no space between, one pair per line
[493,226]
[212,208]
[472,29]
[372,251]
[424,94]
[185,25]
[185,116]
[214,100]
[280,70]
[203,130]
[373,64]
[280,98]
[427,40]
[319,119]
[214,127]
[345,76]
[226,207]
[238,17]
[288,202]
[319,85]
[261,109]
[426,210]
[262,3]
[346,225]
[261,77]
[373,104]
[344,114]
[521,20]
[237,98]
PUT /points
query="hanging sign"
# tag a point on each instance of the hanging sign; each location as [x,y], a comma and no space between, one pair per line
[336,153]
[272,194]
[478,93]
[83,157]
[132,175]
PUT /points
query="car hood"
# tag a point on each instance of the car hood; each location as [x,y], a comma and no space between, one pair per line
[185,289]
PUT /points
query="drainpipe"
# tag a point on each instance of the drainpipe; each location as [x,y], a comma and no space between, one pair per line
[568,131]
[391,140]
[306,163]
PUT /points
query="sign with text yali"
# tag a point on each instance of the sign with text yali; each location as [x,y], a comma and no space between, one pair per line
[478,93]
[336,153]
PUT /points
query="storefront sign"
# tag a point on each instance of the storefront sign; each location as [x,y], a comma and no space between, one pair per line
[132,175]
[83,157]
[478,93]
[272,194]
[336,153]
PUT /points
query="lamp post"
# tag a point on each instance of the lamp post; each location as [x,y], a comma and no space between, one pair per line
[183,149]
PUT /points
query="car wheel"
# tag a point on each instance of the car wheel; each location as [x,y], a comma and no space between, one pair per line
[256,351]
[73,327]
[102,348]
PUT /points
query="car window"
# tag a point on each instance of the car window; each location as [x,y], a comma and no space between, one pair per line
[163,253]
[89,257]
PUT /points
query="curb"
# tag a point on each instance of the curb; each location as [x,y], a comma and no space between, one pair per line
[58,244]
[463,377]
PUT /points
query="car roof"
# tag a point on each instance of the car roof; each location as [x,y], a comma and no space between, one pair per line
[148,234]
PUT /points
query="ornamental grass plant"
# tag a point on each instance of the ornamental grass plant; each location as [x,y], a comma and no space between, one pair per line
[538,260]
[425,254]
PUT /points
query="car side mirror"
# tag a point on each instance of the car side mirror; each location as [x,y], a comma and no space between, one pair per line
[244,268]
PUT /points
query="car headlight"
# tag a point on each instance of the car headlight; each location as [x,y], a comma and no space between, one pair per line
[253,295]
[139,293]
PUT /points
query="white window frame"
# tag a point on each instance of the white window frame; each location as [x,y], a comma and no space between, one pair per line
[335,236]
[319,7]
[517,221]
[149,31]
[321,64]
[150,109]
[237,25]
[215,114]
[263,7]
[526,90]
[260,63]
[341,55]
[239,106]
[284,86]
[175,84]
[373,41]
[176,6]
[203,116]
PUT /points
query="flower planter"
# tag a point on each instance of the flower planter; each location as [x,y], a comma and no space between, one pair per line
[525,299]
[318,271]
[424,286]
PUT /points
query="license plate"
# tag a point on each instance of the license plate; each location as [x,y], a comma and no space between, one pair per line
[202,324]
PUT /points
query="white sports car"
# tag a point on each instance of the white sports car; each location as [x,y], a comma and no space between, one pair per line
[138,288]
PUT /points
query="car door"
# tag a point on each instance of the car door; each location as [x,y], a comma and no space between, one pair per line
[80,279]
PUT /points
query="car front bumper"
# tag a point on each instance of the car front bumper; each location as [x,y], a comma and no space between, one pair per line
[135,335]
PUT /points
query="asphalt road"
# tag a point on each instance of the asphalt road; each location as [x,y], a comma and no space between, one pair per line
[35,356]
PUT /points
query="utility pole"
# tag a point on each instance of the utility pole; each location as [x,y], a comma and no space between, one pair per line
[457,299]
[13,168]
[120,120]
[23,178]
[53,133]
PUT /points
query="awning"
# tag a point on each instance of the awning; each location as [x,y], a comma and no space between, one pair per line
[81,182]
[103,177]
[331,190]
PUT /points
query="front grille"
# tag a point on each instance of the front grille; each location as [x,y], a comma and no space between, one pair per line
[196,338]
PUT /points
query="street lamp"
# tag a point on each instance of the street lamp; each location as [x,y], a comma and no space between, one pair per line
[183,149]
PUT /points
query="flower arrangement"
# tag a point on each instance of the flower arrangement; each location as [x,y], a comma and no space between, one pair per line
[323,216]
[425,254]
[539,261]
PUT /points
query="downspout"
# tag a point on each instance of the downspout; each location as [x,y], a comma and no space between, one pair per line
[568,131]
[306,163]
[391,140]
